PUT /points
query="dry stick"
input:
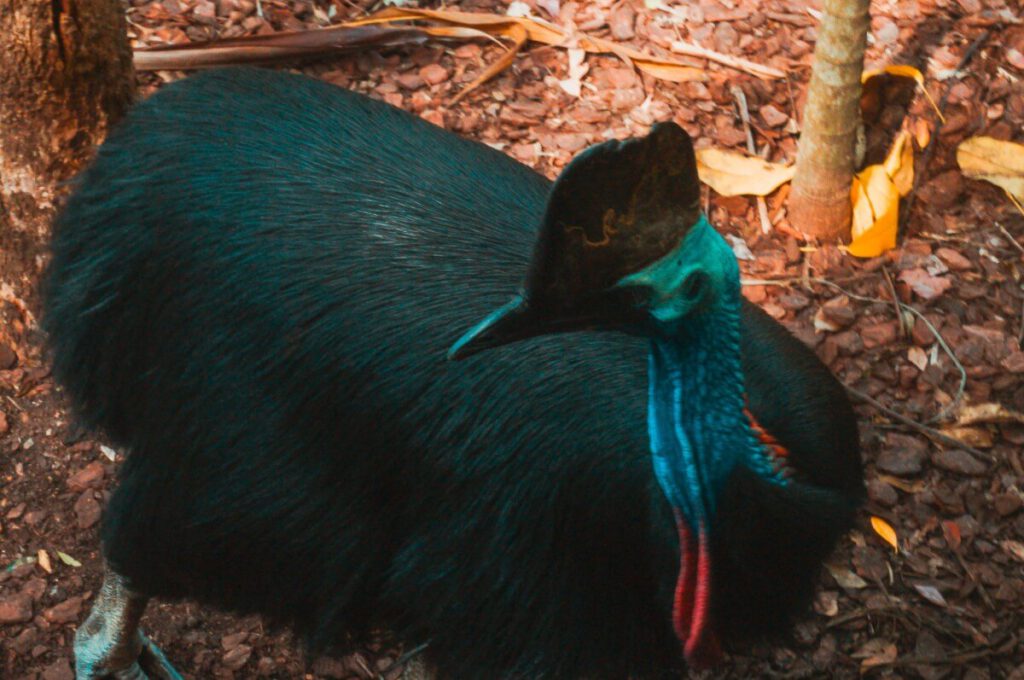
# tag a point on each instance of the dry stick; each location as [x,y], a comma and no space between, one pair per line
[1020,333]
[953,659]
[974,579]
[920,427]
[945,410]
[931,327]
[1016,203]
[862,612]
[741,104]
[1010,237]
[895,302]
[691,50]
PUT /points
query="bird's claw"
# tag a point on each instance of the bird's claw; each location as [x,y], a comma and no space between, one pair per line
[98,658]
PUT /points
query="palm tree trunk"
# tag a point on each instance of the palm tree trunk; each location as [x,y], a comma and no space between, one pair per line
[820,201]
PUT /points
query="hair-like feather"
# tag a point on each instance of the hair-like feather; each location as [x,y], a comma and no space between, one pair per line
[253,289]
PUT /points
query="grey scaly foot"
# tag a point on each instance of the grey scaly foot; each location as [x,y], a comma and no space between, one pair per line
[110,646]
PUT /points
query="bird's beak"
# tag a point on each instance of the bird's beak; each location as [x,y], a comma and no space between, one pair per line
[518,320]
[513,321]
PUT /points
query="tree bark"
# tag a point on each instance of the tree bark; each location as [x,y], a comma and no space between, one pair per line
[65,77]
[819,204]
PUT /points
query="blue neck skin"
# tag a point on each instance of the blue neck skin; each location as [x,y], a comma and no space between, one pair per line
[698,430]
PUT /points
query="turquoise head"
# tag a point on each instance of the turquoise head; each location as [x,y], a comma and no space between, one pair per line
[625,246]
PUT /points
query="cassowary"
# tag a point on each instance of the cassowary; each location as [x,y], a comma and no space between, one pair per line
[253,290]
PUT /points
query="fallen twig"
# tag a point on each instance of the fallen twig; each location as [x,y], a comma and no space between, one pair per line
[895,303]
[945,410]
[930,432]
[1008,235]
[953,659]
[691,50]
[974,579]
[741,104]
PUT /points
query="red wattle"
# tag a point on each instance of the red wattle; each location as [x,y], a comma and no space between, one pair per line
[691,606]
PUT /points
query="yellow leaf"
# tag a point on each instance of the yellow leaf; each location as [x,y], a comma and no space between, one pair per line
[902,71]
[995,161]
[876,196]
[922,133]
[735,174]
[68,559]
[44,561]
[899,164]
[886,532]
[863,215]
[876,203]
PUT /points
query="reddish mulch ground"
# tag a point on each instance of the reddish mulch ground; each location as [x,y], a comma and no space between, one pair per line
[948,604]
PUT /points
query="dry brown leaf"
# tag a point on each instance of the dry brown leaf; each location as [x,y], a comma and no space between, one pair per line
[664,69]
[44,561]
[995,161]
[976,437]
[1014,549]
[886,532]
[543,32]
[826,603]
[822,324]
[915,486]
[989,412]
[930,593]
[951,532]
[875,653]
[578,68]
[918,357]
[731,173]
[845,577]
[518,35]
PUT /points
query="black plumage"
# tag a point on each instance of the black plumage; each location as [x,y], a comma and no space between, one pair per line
[253,289]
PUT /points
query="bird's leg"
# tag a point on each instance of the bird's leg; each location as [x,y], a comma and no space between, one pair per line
[110,646]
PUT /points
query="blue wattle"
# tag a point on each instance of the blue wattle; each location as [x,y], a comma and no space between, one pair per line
[698,430]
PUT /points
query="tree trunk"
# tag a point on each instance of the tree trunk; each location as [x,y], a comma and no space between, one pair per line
[65,77]
[819,204]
